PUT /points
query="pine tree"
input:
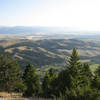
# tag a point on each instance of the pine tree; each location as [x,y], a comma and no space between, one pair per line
[87,71]
[86,75]
[96,80]
[75,69]
[10,74]
[63,81]
[70,77]
[75,79]
[32,81]
[46,85]
[79,79]
[49,83]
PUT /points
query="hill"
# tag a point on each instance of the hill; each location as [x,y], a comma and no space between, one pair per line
[41,52]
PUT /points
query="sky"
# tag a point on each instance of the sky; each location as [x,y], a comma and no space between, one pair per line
[79,14]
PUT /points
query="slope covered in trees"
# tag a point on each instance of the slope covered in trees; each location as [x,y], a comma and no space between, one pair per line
[10,75]
[76,82]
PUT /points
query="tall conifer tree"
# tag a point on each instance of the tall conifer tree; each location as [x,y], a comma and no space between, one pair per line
[31,80]
[10,74]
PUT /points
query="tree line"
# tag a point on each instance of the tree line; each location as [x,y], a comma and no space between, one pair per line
[76,82]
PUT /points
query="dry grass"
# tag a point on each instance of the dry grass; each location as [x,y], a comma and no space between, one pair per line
[17,96]
[11,96]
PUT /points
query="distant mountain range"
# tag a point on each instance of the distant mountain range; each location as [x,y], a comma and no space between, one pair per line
[23,29]
[46,33]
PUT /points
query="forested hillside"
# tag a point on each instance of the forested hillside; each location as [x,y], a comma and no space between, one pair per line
[75,82]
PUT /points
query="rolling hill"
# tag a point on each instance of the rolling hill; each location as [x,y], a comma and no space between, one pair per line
[42,52]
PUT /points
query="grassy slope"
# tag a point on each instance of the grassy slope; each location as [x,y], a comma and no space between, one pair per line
[49,51]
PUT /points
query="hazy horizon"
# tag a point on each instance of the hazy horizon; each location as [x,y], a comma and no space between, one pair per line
[77,14]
